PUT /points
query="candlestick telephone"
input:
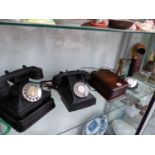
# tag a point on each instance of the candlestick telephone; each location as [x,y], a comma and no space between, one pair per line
[23,102]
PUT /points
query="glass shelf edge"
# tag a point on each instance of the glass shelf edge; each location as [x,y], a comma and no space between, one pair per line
[82,124]
[84,28]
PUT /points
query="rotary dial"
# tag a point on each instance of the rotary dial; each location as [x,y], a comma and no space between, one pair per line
[81,89]
[32,92]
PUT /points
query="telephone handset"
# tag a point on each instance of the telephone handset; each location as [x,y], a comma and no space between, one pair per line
[73,89]
[18,77]
[78,78]
[23,102]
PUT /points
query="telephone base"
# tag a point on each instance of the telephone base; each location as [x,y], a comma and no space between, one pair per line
[78,105]
[21,125]
[74,103]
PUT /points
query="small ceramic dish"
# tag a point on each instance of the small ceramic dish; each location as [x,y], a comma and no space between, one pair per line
[97,126]
[100,24]
[132,82]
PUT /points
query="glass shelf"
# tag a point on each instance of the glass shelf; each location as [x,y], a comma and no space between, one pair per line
[144,79]
[60,126]
[117,110]
[69,26]
[139,93]
[143,93]
[126,111]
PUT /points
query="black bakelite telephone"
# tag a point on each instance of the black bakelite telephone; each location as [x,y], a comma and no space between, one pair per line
[23,102]
[73,89]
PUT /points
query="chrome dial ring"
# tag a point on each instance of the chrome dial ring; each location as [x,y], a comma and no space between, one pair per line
[81,89]
[32,92]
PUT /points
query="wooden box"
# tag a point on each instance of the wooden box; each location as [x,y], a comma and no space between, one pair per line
[108,84]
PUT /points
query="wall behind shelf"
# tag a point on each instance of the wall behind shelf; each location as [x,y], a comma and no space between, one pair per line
[151,48]
[57,50]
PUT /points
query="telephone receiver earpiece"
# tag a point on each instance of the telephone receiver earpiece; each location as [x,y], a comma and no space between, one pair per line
[57,79]
[4,89]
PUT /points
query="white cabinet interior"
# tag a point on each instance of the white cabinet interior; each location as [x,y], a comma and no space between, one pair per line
[56,50]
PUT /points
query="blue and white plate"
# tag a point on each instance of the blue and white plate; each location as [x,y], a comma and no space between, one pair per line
[97,126]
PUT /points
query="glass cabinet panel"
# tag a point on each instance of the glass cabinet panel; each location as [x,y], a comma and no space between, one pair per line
[129,110]
[62,46]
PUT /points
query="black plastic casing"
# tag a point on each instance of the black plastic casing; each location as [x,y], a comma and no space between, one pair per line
[14,109]
[64,83]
